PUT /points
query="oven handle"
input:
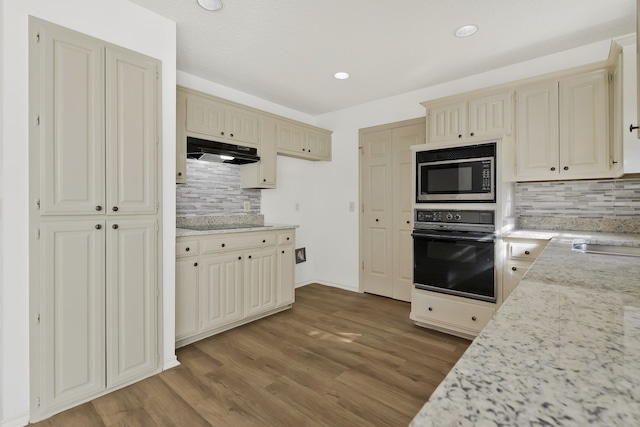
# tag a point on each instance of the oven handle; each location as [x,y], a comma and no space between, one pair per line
[488,238]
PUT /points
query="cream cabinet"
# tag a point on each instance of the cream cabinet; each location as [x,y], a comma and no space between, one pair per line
[475,118]
[222,121]
[263,173]
[226,280]
[386,245]
[563,129]
[95,179]
[463,317]
[304,142]
[521,253]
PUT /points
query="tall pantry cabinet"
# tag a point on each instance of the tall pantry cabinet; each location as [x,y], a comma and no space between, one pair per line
[94,216]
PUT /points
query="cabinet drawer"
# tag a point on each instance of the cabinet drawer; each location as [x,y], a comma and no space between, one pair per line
[187,248]
[456,314]
[286,238]
[237,241]
[525,250]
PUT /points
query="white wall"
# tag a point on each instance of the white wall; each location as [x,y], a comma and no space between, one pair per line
[630,106]
[116,21]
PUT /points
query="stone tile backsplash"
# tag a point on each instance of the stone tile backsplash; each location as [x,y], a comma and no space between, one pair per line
[214,189]
[599,205]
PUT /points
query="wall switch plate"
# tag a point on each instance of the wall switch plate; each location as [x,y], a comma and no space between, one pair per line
[247,206]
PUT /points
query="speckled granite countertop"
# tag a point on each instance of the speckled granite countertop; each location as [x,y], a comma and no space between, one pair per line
[181,232]
[563,350]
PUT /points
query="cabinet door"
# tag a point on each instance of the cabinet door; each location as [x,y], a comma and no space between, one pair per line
[242,126]
[318,145]
[220,290]
[448,122]
[72,142]
[291,138]
[181,137]
[490,115]
[131,300]
[131,133]
[513,273]
[402,139]
[286,275]
[537,147]
[71,334]
[205,116]
[259,281]
[187,311]
[376,182]
[584,120]
[263,173]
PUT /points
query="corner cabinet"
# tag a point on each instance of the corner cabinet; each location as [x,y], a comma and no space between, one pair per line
[95,282]
[563,129]
[229,279]
[473,119]
[521,253]
[303,142]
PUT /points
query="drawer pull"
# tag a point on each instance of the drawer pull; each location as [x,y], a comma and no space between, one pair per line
[98,226]
[239,258]
[195,264]
[282,251]
[264,241]
[474,318]
[223,245]
[513,268]
[527,253]
[287,238]
[187,249]
[249,256]
[430,309]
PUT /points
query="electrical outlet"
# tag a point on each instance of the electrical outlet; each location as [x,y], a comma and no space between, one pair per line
[247,206]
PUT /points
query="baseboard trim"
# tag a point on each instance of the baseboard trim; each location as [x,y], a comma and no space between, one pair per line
[171,363]
[17,421]
[325,283]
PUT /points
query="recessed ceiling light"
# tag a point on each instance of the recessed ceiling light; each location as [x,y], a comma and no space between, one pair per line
[341,75]
[211,4]
[466,30]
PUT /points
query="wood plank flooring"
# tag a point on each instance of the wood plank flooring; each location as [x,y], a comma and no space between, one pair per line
[337,358]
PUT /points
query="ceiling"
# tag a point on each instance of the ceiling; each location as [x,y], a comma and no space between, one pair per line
[287,51]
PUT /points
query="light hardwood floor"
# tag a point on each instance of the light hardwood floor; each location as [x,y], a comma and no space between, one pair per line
[337,358]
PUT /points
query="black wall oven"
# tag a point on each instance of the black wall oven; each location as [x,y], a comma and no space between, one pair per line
[458,174]
[454,253]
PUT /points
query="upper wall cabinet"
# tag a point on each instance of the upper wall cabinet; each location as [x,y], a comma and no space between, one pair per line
[222,121]
[303,142]
[476,118]
[563,129]
[205,116]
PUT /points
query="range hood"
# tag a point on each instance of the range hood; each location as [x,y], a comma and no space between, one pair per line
[213,151]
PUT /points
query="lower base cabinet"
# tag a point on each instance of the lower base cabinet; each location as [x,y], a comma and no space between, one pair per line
[450,314]
[226,280]
[521,253]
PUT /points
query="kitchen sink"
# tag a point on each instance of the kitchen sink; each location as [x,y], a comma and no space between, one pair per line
[595,248]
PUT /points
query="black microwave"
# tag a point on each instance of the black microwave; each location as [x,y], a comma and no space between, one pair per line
[457,175]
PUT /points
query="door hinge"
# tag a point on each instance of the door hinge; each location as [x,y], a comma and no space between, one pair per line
[38,204]
[37,233]
[38,120]
[610,78]
[363,208]
[37,318]
[363,265]
[157,75]
[157,226]
[37,37]
[37,400]
[157,293]
[157,205]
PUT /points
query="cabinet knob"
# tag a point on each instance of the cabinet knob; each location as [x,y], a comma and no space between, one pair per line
[553,168]
[98,226]
[304,149]
[223,245]
[287,238]
[115,209]
[472,133]
[239,258]
[430,309]
[527,253]
[513,268]
[195,264]
[309,150]
[222,133]
[98,208]
[114,226]
[408,222]
[473,318]
[249,256]
[264,179]
[231,135]
[459,136]
[566,168]
[282,251]
[179,173]
[264,241]
[187,249]
[377,220]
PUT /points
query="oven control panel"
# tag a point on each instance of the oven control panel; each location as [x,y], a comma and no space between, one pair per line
[453,216]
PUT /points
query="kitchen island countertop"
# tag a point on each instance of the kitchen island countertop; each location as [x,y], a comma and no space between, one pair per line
[563,350]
